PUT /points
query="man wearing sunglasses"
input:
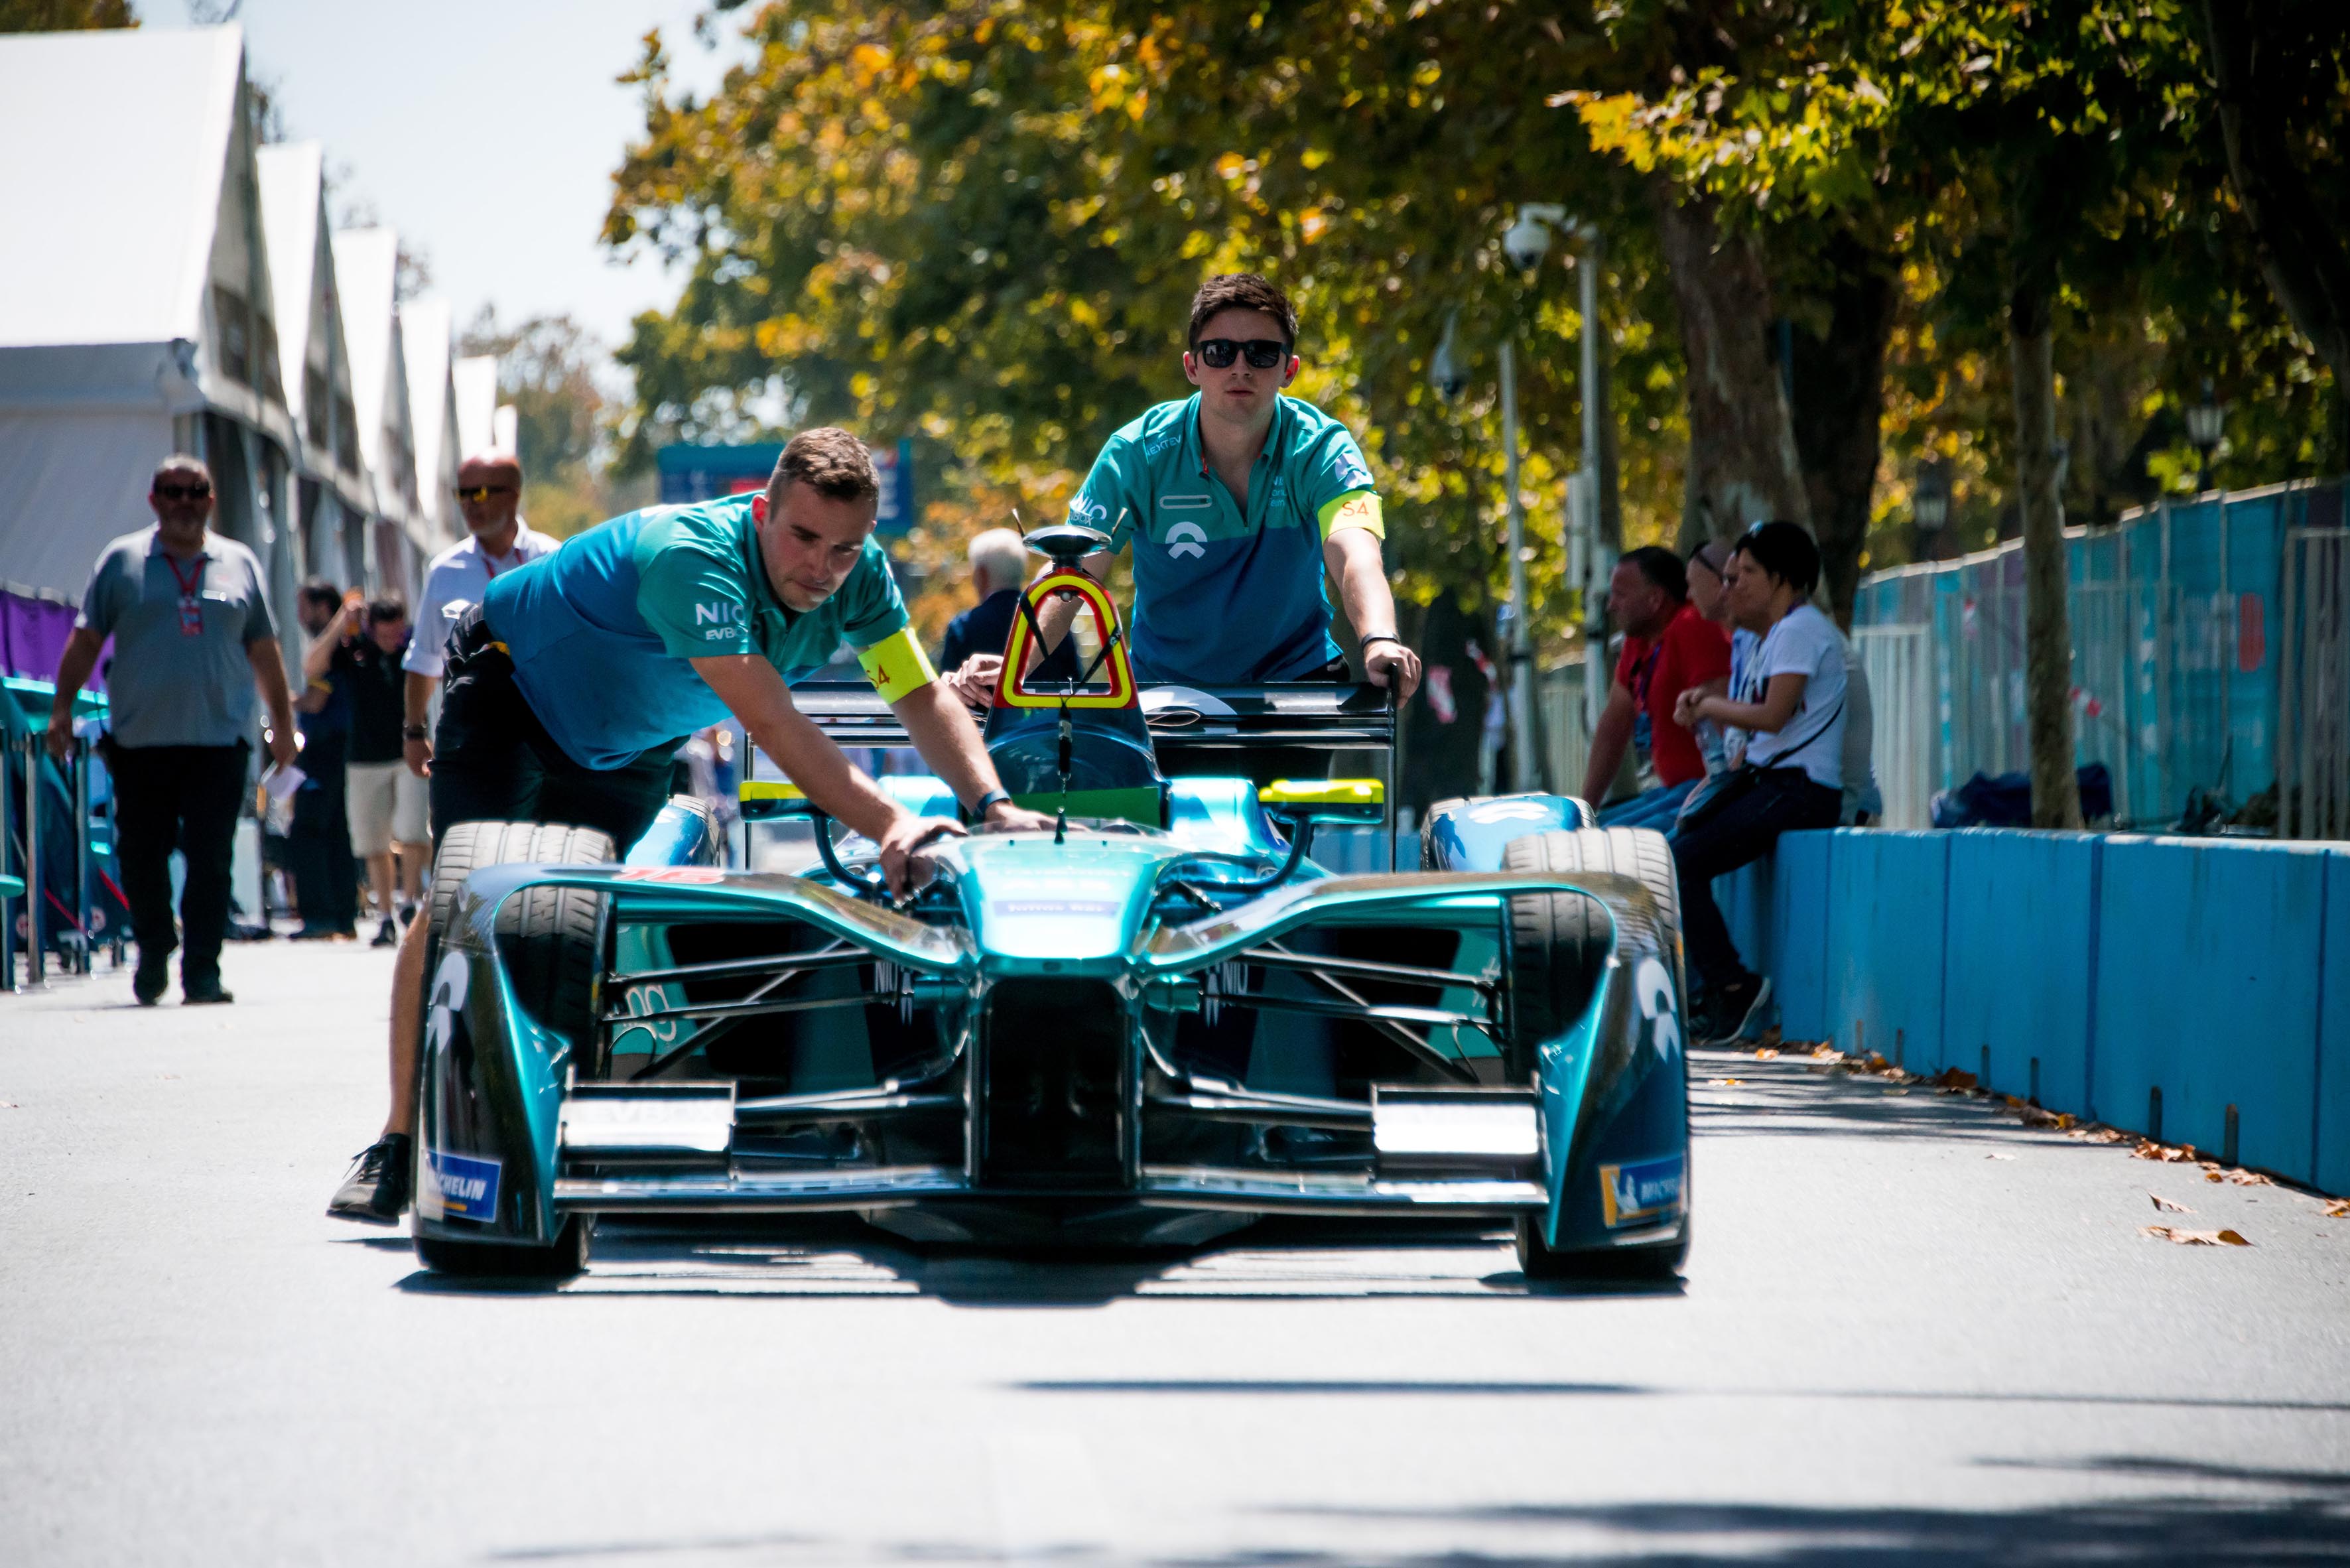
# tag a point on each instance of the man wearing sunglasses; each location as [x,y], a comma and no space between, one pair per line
[1240,507]
[192,639]
[489,494]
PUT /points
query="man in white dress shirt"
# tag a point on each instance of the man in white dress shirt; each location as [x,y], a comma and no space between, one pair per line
[489,493]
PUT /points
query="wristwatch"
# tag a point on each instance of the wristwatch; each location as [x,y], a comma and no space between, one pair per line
[1370,637]
[414,733]
[979,808]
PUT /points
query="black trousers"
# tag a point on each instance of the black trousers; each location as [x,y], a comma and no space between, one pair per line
[492,760]
[1783,799]
[325,878]
[184,798]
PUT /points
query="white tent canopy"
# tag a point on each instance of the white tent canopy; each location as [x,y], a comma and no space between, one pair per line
[476,379]
[137,312]
[425,326]
[337,497]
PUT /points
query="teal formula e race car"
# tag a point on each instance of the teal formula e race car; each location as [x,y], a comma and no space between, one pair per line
[1145,1028]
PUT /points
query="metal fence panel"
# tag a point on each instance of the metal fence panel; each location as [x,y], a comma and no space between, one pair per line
[1899,660]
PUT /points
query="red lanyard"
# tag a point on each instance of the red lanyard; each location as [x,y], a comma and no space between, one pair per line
[191,611]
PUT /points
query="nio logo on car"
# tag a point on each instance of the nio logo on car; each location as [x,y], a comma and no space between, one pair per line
[468,1186]
[1013,906]
[1652,983]
[1642,1193]
[1186,539]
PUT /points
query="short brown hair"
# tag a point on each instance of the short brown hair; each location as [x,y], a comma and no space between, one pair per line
[1241,291]
[829,460]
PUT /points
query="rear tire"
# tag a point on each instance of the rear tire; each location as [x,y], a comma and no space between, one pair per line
[552,938]
[1635,852]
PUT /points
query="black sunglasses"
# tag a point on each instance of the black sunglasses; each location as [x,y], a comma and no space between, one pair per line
[1263,353]
[481,492]
[183,492]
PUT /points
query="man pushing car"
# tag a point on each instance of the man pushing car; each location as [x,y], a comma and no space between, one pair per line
[574,681]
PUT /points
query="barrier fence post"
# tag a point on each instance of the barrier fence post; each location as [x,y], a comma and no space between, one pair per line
[7,838]
[88,957]
[37,975]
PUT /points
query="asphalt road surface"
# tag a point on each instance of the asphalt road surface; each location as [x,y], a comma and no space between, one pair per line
[1911,1329]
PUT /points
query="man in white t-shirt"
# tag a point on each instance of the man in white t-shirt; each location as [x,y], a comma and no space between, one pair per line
[489,493]
[1788,698]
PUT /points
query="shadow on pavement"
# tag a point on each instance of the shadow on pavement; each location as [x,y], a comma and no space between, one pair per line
[830,1255]
[2267,1516]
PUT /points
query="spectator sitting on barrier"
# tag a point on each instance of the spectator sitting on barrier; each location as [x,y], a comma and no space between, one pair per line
[325,878]
[1786,713]
[192,639]
[1669,647]
[386,801]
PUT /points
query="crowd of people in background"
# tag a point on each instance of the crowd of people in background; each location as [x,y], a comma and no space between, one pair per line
[1743,713]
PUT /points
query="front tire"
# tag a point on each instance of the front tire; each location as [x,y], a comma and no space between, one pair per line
[509,1259]
[1538,1259]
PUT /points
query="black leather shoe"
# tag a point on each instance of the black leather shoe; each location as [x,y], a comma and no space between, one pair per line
[147,985]
[208,994]
[376,1190]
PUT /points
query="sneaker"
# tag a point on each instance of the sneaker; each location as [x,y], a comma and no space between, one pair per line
[387,935]
[376,1190]
[407,913]
[1738,1009]
[147,985]
[204,994]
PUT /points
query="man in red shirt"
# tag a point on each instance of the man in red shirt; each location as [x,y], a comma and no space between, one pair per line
[1667,649]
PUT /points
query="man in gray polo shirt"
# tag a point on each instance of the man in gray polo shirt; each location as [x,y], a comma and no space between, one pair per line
[192,639]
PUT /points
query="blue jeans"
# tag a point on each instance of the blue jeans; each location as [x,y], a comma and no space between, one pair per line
[1653,808]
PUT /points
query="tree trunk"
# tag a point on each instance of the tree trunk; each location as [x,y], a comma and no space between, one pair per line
[2047,623]
[1838,406]
[1742,467]
[2300,247]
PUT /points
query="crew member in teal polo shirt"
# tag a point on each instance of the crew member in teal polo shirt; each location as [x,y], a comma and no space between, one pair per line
[1240,505]
[573,683]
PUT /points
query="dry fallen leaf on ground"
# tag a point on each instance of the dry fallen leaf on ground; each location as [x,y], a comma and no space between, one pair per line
[1767,1054]
[2338,1210]
[1723,1082]
[2169,1153]
[1957,1080]
[1999,1157]
[2162,1202]
[2243,1177]
[2097,1132]
[2040,1117]
[2193,1238]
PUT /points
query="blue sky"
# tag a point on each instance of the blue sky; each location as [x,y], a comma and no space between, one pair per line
[485,132]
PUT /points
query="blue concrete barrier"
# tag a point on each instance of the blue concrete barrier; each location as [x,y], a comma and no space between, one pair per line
[2090,971]
[2012,893]
[2330,1104]
[1887,894]
[2209,964]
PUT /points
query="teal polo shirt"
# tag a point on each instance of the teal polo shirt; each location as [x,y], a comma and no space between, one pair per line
[601,631]
[1225,597]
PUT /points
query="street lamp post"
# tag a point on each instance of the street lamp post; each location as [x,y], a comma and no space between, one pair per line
[1524,777]
[2205,421]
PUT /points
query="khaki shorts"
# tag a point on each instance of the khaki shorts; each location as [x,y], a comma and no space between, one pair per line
[386,805]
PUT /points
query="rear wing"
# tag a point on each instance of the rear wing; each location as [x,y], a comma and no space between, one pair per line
[1193,721]
[1315,715]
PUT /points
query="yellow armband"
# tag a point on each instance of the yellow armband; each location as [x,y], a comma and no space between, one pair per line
[897,665]
[1356,509]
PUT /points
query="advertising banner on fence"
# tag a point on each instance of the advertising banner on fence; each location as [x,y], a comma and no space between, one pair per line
[690,474]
